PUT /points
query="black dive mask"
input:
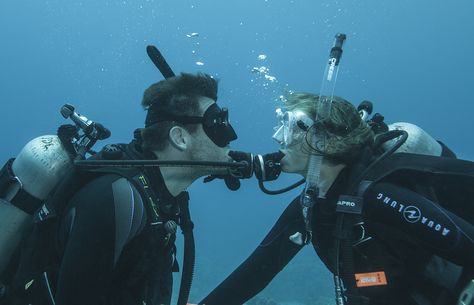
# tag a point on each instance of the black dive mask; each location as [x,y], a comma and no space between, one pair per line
[215,123]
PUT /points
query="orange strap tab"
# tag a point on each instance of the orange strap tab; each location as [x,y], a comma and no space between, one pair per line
[371,279]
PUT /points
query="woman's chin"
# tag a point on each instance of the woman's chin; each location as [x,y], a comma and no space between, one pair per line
[284,165]
[287,167]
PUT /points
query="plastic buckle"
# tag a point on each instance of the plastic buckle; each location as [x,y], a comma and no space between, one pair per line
[467,295]
[363,238]
[44,213]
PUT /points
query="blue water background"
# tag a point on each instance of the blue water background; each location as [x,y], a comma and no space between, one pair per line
[411,58]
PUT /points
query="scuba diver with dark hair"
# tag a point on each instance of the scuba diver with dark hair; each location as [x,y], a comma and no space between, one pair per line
[107,236]
[406,248]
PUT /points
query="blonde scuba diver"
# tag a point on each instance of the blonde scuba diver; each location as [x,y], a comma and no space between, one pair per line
[394,229]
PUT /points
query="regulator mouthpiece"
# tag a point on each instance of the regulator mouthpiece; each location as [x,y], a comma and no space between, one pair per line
[365,109]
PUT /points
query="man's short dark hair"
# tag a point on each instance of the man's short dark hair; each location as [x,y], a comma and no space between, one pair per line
[179,95]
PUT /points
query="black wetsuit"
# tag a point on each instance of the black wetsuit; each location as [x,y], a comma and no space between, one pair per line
[109,248]
[406,228]
[103,228]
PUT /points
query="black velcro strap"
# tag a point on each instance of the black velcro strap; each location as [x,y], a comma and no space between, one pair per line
[22,200]
[26,202]
[343,234]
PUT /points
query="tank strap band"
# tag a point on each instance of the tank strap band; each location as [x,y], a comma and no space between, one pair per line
[21,199]
[26,202]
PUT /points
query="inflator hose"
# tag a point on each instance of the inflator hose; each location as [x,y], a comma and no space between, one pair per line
[189,252]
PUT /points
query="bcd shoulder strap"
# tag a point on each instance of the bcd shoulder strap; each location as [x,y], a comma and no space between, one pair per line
[452,180]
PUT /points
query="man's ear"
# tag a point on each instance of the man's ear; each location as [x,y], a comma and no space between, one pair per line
[179,137]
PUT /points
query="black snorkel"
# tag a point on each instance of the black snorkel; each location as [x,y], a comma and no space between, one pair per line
[159,61]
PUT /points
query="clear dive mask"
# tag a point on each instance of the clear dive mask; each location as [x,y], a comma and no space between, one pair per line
[292,126]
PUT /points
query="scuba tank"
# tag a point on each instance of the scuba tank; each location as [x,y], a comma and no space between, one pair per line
[27,180]
[418,141]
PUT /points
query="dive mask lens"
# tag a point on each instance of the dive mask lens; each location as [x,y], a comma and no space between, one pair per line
[217,126]
[291,125]
[278,134]
[283,130]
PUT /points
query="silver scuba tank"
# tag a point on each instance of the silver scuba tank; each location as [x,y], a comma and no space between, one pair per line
[418,141]
[37,169]
[27,180]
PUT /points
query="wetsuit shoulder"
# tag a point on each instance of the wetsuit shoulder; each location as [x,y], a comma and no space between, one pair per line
[100,220]
[110,195]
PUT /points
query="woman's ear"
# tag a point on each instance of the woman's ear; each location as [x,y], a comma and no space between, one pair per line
[179,138]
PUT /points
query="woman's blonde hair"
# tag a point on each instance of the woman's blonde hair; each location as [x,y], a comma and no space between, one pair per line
[347,132]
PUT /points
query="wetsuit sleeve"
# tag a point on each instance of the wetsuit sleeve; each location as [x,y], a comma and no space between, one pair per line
[270,257]
[100,219]
[445,233]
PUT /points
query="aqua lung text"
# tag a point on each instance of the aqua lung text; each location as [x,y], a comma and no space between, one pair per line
[413,214]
